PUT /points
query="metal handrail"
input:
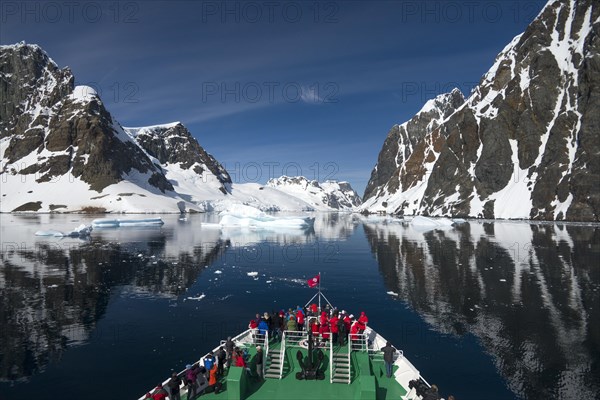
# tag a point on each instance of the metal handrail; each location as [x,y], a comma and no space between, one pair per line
[295,337]
[331,359]
[282,355]
[349,367]
[266,355]
[358,341]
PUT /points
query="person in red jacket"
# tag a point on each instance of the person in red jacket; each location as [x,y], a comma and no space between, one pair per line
[324,331]
[363,318]
[333,327]
[354,331]
[300,319]
[212,379]
[315,328]
[314,310]
[348,322]
[323,319]
[253,324]
[161,393]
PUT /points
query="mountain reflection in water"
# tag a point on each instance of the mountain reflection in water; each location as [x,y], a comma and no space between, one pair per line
[528,293]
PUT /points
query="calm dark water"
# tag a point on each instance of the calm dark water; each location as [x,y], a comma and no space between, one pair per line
[497,310]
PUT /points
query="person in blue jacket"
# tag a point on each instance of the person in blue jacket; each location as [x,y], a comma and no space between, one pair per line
[209,361]
[263,327]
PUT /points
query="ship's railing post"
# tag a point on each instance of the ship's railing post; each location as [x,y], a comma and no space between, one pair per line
[282,355]
[331,371]
[349,367]
[266,355]
[358,342]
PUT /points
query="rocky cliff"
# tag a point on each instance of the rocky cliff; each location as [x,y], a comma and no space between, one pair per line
[525,144]
[63,151]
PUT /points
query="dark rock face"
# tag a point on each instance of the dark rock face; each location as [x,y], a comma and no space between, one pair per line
[176,145]
[402,139]
[55,129]
[28,77]
[522,146]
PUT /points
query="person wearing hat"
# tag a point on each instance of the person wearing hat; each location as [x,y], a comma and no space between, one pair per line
[291,324]
[363,318]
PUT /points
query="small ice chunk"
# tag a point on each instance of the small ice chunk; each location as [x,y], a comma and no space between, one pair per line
[502,280]
[218,272]
[393,293]
[198,298]
[253,273]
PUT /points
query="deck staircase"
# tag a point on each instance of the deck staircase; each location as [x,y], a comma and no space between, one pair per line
[340,368]
[273,366]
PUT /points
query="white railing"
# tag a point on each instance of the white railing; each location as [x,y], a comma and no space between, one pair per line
[294,337]
[349,367]
[282,355]
[331,364]
[266,355]
[358,342]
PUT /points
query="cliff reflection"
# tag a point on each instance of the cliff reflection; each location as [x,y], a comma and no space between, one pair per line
[53,292]
[529,292]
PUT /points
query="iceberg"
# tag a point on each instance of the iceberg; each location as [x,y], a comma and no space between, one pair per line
[81,231]
[243,216]
[115,223]
[431,222]
[422,224]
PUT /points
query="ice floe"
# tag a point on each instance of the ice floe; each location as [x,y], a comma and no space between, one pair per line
[243,216]
[115,223]
[81,231]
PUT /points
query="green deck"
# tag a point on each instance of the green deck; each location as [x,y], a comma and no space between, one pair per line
[368,381]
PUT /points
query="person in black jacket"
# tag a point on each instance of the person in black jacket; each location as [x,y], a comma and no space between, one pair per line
[174,384]
[432,393]
[275,325]
[258,359]
[221,356]
[388,356]
[229,348]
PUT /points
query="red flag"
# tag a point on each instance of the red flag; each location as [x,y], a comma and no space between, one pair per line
[312,282]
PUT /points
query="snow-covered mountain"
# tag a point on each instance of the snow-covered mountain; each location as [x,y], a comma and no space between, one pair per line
[525,144]
[328,195]
[62,151]
[194,174]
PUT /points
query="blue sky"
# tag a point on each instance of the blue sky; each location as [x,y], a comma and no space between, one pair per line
[272,88]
